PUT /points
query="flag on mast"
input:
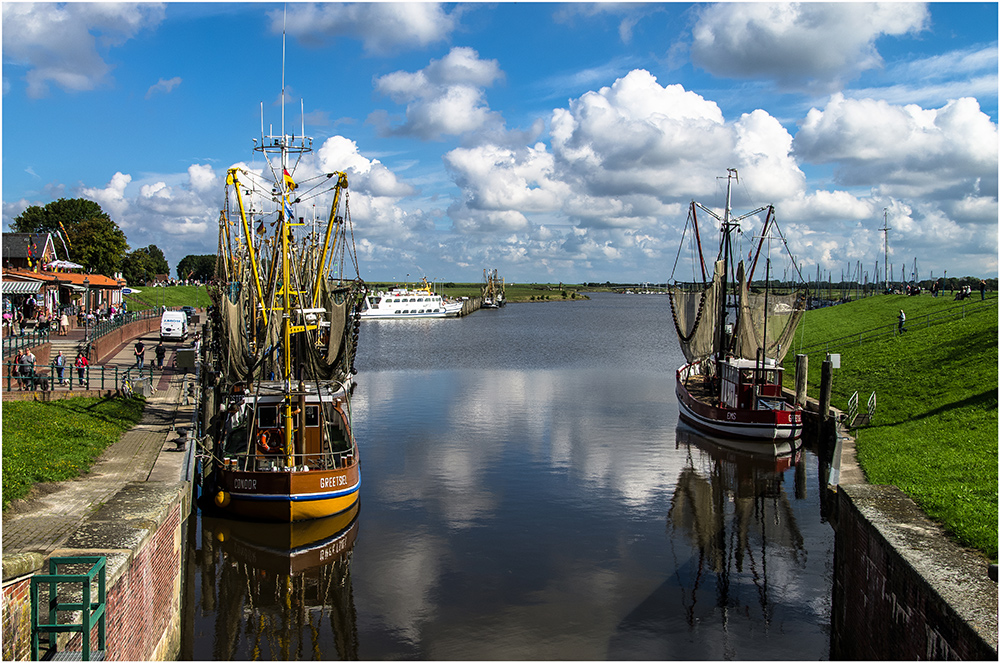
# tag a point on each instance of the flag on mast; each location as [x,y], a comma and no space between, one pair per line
[289,182]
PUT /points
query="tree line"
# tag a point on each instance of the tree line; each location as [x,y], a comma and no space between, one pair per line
[88,236]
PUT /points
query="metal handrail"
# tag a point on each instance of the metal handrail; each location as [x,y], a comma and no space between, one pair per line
[107,377]
[876,333]
[105,327]
[14,342]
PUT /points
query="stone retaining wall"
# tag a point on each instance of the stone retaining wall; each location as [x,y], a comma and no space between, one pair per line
[902,588]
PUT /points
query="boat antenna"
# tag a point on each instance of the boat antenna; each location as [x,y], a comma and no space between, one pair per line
[284,23]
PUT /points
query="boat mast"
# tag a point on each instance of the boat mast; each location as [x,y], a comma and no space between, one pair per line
[726,251]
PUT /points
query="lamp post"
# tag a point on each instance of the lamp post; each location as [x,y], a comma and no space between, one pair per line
[86,311]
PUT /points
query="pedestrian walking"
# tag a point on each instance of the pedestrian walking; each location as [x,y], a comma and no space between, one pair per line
[140,354]
[60,363]
[81,364]
[902,321]
[63,324]
[161,352]
[982,289]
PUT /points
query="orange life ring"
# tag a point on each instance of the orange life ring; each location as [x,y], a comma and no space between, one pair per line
[269,441]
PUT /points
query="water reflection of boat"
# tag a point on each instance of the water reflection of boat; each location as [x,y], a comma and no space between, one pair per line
[738,551]
[731,499]
[779,456]
[279,590]
[286,547]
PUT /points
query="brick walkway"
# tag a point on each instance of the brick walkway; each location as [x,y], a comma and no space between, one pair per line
[145,453]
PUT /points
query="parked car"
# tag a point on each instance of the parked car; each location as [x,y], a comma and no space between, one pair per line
[189,311]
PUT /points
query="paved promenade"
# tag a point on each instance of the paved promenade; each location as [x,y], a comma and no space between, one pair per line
[44,521]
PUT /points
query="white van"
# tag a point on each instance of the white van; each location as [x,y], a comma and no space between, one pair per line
[173,325]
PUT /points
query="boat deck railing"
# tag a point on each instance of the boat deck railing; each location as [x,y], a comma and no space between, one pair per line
[300,462]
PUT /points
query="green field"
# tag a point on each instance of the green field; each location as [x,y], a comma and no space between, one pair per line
[58,440]
[170,296]
[934,434]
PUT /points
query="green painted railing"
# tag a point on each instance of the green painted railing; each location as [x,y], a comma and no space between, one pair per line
[15,342]
[91,612]
[47,377]
[104,327]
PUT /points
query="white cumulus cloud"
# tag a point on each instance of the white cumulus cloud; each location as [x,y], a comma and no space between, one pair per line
[906,150]
[780,41]
[61,44]
[382,27]
[444,98]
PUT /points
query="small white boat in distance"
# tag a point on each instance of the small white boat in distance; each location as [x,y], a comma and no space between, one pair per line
[403,303]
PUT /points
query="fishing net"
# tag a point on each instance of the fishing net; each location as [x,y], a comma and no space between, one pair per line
[766,320]
[695,309]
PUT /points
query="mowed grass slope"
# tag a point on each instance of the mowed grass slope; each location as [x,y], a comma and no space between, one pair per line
[935,431]
[59,440]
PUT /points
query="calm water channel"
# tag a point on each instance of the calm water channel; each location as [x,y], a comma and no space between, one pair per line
[527,493]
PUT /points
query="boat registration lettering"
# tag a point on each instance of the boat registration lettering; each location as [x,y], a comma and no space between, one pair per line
[731,416]
[332,482]
[245,484]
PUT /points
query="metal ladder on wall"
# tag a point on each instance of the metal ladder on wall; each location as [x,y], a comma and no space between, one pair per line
[857,419]
[92,612]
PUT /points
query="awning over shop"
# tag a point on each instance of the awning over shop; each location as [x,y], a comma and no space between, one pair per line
[21,287]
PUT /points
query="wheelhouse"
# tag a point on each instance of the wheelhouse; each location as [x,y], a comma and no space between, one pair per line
[748,384]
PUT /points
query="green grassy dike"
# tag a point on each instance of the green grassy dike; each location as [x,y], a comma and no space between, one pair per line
[59,440]
[935,429]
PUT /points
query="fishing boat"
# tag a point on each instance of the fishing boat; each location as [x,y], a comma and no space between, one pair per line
[284,330]
[493,290]
[734,333]
[405,303]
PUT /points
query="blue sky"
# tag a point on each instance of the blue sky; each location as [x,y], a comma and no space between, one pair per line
[553,142]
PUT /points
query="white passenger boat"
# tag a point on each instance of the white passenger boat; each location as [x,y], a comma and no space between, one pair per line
[400,303]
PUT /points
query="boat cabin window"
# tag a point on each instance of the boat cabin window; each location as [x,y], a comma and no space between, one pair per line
[267,416]
[312,415]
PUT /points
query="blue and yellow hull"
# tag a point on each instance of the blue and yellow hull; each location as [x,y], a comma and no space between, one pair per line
[289,496]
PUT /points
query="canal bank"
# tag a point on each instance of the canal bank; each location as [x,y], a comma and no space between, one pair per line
[902,588]
[131,508]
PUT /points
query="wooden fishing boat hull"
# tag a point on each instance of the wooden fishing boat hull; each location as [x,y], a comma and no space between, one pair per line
[287,496]
[749,424]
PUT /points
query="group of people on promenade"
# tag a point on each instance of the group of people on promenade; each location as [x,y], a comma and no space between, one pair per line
[26,376]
